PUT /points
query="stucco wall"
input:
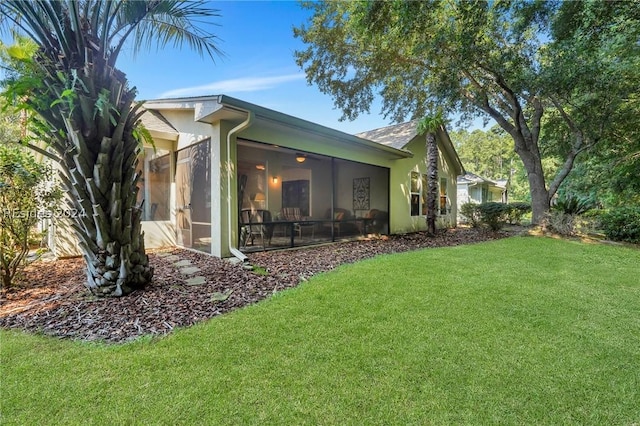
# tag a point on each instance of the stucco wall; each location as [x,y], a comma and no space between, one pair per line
[401,219]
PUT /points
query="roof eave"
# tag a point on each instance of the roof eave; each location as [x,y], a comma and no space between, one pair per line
[309,126]
[451,151]
[213,108]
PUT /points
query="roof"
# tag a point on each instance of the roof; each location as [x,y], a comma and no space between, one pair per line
[154,122]
[400,135]
[216,107]
[474,179]
[396,136]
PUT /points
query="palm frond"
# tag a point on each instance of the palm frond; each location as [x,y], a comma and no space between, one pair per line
[176,22]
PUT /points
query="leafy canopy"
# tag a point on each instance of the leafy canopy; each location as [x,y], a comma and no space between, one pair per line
[558,77]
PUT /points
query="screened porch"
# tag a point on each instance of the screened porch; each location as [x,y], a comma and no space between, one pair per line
[288,198]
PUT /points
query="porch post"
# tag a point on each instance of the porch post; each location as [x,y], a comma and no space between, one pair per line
[333,194]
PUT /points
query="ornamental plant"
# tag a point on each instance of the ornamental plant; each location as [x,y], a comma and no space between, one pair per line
[24,195]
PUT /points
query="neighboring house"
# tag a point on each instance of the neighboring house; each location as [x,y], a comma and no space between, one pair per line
[220,165]
[476,189]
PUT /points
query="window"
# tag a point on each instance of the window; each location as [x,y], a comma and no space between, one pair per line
[154,184]
[443,195]
[418,194]
[485,194]
[415,194]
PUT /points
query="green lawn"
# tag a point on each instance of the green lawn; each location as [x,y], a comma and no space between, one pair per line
[525,330]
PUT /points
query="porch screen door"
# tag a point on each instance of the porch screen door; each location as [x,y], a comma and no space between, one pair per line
[193,197]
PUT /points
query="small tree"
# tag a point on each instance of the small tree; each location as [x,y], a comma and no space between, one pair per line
[83,104]
[430,126]
[25,199]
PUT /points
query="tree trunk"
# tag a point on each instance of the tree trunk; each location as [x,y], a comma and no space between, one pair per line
[537,187]
[108,227]
[432,182]
[99,152]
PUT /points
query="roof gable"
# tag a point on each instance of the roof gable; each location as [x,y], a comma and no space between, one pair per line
[155,122]
[396,136]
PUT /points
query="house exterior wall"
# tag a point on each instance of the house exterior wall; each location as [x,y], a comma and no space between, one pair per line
[401,220]
[390,180]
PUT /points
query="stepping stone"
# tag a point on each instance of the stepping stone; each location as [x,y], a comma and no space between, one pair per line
[164,254]
[221,297]
[189,270]
[182,263]
[172,257]
[198,280]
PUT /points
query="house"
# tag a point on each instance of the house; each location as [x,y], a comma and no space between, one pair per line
[226,176]
[477,189]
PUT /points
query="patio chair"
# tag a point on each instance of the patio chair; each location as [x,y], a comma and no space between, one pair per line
[292,214]
[339,220]
[256,223]
[373,221]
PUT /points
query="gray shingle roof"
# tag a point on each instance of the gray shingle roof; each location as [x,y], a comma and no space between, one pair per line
[396,136]
[154,121]
[476,179]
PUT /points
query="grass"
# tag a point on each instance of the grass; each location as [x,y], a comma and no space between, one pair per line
[519,331]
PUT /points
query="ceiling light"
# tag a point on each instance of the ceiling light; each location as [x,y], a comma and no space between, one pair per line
[300,158]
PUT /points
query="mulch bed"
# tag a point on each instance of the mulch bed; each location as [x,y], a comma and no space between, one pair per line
[55,301]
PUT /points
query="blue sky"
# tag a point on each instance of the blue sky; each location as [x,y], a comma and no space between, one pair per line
[258,66]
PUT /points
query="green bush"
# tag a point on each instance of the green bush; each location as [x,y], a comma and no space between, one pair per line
[566,216]
[573,205]
[471,213]
[494,215]
[516,211]
[591,221]
[622,224]
[23,196]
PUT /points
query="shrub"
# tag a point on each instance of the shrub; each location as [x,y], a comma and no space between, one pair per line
[517,211]
[22,197]
[492,214]
[622,224]
[471,213]
[573,205]
[559,222]
[591,221]
[564,217]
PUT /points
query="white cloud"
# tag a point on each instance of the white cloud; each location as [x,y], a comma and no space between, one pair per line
[245,84]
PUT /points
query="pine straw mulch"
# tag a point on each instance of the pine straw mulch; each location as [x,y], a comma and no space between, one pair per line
[55,301]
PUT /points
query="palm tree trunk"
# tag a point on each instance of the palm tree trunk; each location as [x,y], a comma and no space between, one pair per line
[85,114]
[432,182]
[103,187]
[100,154]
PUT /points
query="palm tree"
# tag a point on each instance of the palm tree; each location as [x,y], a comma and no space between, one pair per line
[86,112]
[430,126]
